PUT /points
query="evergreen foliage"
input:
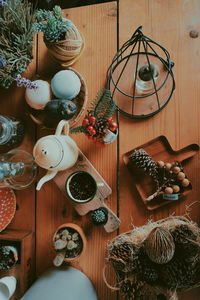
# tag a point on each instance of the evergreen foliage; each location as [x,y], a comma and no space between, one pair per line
[51,23]
[16,39]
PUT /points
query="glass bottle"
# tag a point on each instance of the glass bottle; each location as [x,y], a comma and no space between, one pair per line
[11,131]
[17,169]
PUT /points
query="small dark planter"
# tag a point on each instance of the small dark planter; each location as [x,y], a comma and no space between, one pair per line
[81,187]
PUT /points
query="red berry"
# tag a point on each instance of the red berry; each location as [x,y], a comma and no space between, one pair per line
[109,120]
[113,126]
[91,130]
[85,122]
[92,120]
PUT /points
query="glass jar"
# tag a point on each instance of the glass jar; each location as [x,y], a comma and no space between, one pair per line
[11,131]
[17,169]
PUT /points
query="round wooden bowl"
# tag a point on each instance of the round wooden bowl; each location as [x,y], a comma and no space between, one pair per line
[79,230]
[41,118]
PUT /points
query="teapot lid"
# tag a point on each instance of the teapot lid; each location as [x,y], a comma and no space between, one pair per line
[48,152]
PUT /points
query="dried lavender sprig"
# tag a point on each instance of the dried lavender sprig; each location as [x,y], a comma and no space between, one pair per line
[21,81]
[3,3]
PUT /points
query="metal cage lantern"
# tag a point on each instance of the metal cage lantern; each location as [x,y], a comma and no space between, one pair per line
[140,77]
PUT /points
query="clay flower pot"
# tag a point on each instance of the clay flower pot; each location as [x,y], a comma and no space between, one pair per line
[69,241]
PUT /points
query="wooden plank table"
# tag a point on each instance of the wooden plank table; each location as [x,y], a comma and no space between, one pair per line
[105,28]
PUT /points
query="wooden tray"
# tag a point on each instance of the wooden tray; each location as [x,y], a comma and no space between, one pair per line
[159,149]
[24,269]
[103,191]
[41,118]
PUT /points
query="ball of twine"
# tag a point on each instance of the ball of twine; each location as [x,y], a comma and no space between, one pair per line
[67,51]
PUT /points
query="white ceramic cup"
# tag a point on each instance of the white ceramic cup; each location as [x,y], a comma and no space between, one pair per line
[7,287]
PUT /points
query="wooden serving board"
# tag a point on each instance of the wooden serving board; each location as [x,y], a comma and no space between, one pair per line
[160,150]
[103,191]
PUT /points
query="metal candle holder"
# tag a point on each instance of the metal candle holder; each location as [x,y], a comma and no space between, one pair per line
[140,77]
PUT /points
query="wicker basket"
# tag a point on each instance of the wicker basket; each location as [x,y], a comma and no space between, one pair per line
[68,51]
[41,118]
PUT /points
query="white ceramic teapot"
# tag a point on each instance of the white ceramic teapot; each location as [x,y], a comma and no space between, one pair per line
[55,152]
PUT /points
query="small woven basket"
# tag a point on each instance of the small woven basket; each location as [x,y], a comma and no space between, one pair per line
[69,50]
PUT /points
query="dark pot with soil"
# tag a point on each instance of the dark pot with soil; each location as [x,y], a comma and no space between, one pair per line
[8,257]
[69,241]
[81,187]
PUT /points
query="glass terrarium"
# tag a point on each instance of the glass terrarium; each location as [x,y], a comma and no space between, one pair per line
[17,169]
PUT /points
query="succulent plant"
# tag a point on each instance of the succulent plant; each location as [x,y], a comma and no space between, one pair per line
[51,24]
[99,216]
[69,244]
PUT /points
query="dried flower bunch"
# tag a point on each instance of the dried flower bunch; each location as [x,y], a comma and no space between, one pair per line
[16,39]
[99,117]
[51,23]
[159,258]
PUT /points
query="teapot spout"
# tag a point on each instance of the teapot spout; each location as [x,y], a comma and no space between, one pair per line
[47,177]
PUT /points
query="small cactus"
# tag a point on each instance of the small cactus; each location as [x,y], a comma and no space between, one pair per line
[99,216]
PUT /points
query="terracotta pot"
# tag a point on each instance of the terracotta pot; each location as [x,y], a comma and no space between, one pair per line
[79,230]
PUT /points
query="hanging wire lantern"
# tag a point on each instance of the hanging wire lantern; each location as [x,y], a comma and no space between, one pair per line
[140,77]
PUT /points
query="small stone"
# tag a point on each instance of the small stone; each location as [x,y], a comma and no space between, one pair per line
[181,175]
[71,245]
[161,164]
[176,188]
[168,166]
[176,170]
[185,182]
[75,236]
[168,190]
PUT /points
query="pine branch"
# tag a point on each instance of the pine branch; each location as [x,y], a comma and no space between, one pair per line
[105,106]
[78,129]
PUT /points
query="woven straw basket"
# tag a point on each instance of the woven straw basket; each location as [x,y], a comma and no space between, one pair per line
[68,51]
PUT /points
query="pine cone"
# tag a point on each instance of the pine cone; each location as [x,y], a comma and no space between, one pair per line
[176,274]
[182,233]
[150,275]
[101,125]
[123,251]
[144,162]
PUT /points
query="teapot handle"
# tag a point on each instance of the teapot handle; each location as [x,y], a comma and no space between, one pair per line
[62,125]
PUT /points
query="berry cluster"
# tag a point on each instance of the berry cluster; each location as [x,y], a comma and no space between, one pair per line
[95,126]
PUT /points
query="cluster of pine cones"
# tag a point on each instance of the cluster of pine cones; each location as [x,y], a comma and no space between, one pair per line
[137,274]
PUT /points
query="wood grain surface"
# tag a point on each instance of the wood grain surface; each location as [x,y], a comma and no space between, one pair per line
[168,23]
[104,27]
[98,25]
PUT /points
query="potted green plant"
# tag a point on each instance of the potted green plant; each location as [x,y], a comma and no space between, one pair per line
[69,241]
[61,36]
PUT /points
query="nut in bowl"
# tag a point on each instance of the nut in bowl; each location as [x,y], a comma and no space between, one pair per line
[68,100]
[70,242]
